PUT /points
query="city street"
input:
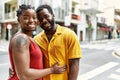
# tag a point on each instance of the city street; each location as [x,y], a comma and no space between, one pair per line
[98,62]
[89,19]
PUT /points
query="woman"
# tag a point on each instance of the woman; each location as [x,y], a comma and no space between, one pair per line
[25,55]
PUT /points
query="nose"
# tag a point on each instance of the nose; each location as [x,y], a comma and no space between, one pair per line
[44,20]
[31,20]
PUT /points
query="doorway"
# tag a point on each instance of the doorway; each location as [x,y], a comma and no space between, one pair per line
[81,35]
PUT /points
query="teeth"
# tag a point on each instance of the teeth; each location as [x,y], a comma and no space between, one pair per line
[31,25]
[47,24]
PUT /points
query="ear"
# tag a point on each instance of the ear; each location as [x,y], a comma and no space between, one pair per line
[53,15]
[37,22]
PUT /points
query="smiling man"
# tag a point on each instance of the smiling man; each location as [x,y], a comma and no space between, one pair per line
[58,44]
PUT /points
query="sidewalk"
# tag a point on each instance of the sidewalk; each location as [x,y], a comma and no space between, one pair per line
[115,53]
[2,41]
[99,41]
[4,45]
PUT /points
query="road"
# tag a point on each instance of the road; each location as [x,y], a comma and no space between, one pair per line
[4,65]
[4,60]
[98,62]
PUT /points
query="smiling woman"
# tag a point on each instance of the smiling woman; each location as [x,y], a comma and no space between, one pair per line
[25,55]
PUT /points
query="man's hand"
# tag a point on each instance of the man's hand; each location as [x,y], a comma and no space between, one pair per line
[11,72]
[56,69]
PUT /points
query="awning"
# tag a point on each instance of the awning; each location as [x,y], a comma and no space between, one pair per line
[104,28]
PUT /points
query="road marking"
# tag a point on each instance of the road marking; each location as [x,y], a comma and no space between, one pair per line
[114,76]
[118,70]
[4,64]
[97,71]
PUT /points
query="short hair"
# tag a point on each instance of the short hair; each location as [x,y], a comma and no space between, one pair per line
[45,6]
[22,8]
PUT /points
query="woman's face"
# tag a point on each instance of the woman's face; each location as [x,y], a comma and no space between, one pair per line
[28,20]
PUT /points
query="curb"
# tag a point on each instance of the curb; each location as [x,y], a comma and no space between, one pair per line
[116,54]
[98,41]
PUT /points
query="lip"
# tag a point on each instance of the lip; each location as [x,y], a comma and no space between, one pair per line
[46,25]
[31,25]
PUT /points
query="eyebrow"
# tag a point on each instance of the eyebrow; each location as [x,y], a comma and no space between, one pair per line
[25,15]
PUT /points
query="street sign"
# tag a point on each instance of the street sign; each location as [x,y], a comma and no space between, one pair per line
[9,26]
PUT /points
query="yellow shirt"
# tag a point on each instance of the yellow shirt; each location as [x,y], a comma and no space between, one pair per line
[63,46]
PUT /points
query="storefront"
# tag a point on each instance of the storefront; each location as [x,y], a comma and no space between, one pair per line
[103,31]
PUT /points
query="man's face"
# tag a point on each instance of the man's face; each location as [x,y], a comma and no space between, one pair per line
[46,19]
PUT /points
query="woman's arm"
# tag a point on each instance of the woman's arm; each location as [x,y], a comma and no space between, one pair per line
[21,58]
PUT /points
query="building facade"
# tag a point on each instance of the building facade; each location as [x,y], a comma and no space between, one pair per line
[82,16]
[8,20]
[108,21]
[88,23]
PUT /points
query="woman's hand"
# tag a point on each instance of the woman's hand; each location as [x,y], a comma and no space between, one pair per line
[11,72]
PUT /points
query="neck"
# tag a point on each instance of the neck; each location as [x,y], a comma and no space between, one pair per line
[28,33]
[52,31]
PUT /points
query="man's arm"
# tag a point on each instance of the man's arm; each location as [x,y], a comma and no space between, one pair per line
[73,69]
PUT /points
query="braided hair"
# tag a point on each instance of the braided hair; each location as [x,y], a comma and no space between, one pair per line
[22,8]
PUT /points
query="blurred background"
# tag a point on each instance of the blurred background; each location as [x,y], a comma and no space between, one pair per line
[90,19]
[95,22]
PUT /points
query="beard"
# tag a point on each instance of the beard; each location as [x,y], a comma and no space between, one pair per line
[52,25]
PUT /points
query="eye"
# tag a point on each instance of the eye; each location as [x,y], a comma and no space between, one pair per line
[46,16]
[34,17]
[40,19]
[25,18]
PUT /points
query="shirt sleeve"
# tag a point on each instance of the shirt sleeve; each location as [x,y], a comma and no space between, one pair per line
[73,44]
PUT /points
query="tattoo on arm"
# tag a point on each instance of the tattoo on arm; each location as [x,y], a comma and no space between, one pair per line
[21,42]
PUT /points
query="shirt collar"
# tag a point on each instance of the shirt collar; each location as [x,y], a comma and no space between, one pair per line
[58,30]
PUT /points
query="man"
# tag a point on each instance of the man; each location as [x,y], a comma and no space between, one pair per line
[57,44]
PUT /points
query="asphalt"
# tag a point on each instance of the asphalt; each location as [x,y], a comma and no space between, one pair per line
[116,52]
[4,45]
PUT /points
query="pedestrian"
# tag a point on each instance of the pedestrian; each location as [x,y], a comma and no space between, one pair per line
[58,44]
[25,56]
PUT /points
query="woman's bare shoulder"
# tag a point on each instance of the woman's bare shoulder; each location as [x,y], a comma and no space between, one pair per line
[19,38]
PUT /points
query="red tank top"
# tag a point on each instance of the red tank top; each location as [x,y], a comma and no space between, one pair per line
[36,59]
